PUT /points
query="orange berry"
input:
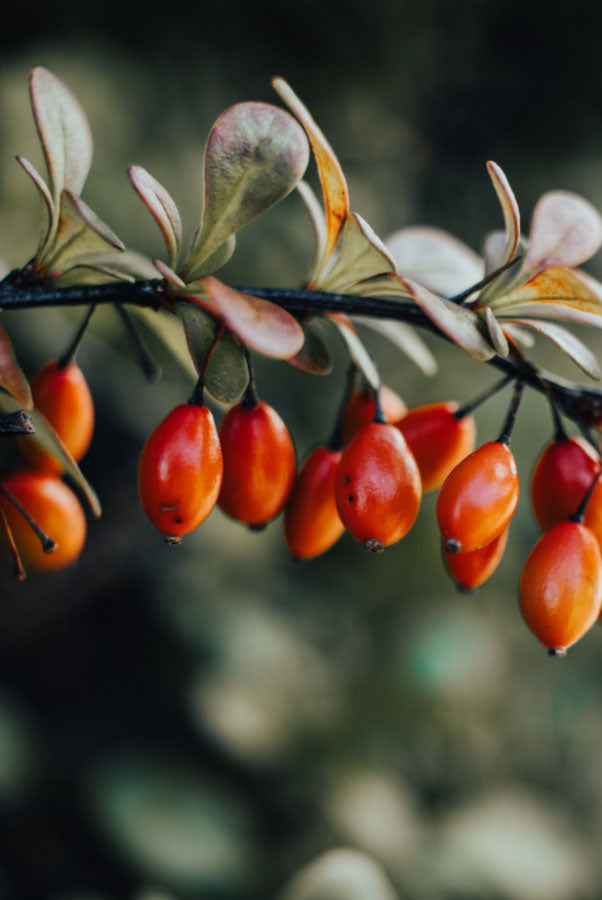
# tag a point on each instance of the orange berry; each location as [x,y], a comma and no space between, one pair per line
[360,409]
[259,463]
[438,439]
[55,508]
[561,477]
[471,570]
[377,486]
[561,586]
[478,498]
[62,395]
[312,523]
[180,471]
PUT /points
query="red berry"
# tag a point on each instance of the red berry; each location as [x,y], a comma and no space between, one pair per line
[471,570]
[478,498]
[55,508]
[561,477]
[438,439]
[180,470]
[377,486]
[312,523]
[259,463]
[360,409]
[62,395]
[561,586]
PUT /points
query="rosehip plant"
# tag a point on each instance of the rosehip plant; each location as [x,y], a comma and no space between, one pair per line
[384,453]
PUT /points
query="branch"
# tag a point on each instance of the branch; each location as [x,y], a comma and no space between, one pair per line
[582,405]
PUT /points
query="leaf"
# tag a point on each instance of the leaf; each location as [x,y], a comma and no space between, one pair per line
[12,378]
[64,134]
[554,285]
[362,255]
[332,180]
[314,356]
[79,232]
[214,262]
[123,266]
[567,342]
[227,375]
[496,333]
[388,285]
[457,322]
[435,259]
[162,208]
[168,273]
[519,335]
[259,324]
[356,349]
[316,214]
[404,337]
[509,209]
[168,329]
[41,185]
[340,874]
[565,231]
[255,155]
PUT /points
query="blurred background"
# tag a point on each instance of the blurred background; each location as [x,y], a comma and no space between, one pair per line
[203,722]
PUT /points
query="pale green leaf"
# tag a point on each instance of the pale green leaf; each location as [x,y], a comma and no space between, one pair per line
[565,341]
[332,180]
[387,285]
[565,231]
[457,322]
[314,356]
[227,374]
[340,874]
[259,324]
[435,259]
[362,255]
[168,329]
[255,155]
[496,333]
[404,337]
[316,214]
[509,209]
[161,206]
[520,335]
[79,232]
[168,273]
[356,349]
[214,262]
[42,187]
[127,265]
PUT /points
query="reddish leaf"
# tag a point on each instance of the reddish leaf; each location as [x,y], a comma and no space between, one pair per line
[12,378]
[162,208]
[509,209]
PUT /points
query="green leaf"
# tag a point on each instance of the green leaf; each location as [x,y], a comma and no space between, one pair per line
[362,255]
[404,337]
[457,322]
[167,328]
[12,378]
[435,259]
[314,356]
[356,349]
[227,375]
[565,341]
[162,208]
[123,266]
[80,232]
[332,179]
[42,187]
[255,155]
[259,324]
[565,231]
[217,259]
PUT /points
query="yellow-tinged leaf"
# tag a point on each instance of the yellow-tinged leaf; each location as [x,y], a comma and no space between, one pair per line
[332,180]
[565,231]
[357,351]
[162,208]
[435,259]
[509,208]
[457,322]
[259,324]
[565,341]
[557,285]
[12,378]
[362,255]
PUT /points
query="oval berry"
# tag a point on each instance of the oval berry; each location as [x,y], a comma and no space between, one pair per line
[259,463]
[180,470]
[561,586]
[62,395]
[377,486]
[471,570]
[55,508]
[478,498]
[311,522]
[438,439]
[561,477]
[360,409]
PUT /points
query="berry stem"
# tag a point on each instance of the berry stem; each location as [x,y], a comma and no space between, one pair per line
[469,407]
[560,434]
[71,352]
[336,439]
[18,568]
[379,416]
[148,364]
[506,432]
[251,398]
[196,398]
[579,514]
[48,545]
